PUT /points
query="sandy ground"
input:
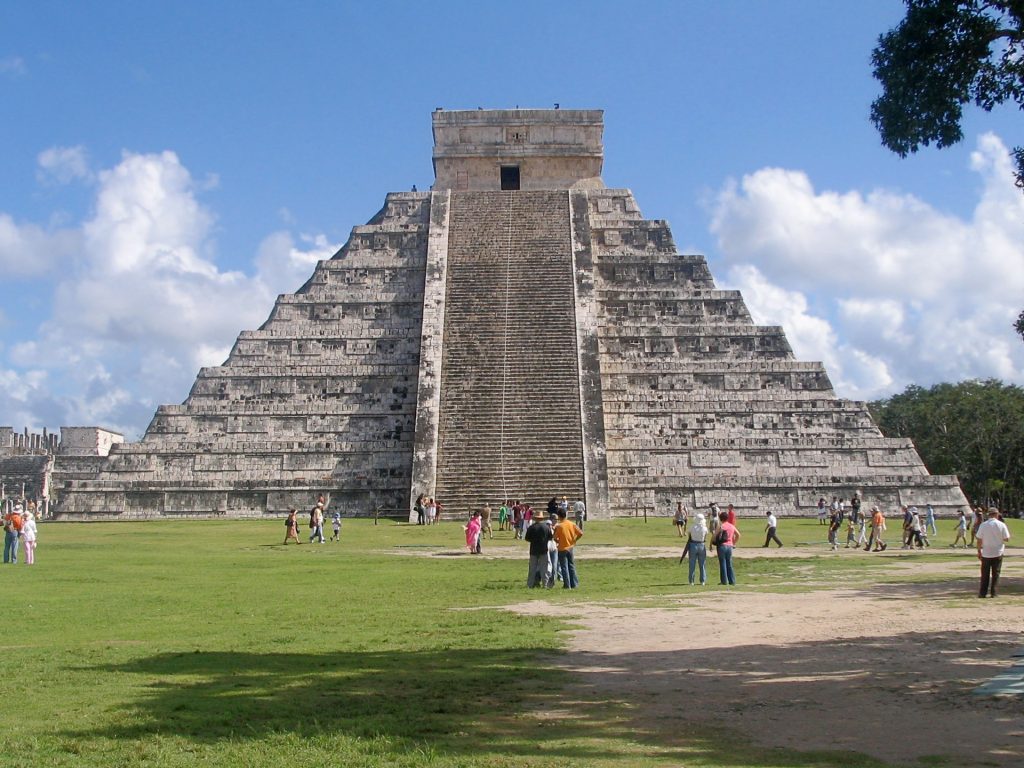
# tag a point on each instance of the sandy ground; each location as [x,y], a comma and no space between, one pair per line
[887,670]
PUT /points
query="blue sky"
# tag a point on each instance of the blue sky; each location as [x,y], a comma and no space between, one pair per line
[168,168]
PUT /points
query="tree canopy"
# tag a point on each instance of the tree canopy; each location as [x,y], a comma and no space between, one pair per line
[974,429]
[944,54]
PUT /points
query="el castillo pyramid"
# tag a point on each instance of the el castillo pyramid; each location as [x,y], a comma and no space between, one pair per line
[519,331]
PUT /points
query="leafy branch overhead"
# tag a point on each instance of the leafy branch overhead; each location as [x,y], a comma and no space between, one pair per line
[944,54]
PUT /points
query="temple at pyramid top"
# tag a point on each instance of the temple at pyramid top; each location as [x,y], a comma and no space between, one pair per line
[518,149]
[520,331]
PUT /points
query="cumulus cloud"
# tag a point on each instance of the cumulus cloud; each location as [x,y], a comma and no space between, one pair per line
[62,165]
[883,288]
[27,249]
[144,304]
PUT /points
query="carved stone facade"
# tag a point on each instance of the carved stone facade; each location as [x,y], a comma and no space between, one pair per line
[519,331]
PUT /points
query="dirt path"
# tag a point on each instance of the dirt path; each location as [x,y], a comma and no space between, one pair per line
[888,671]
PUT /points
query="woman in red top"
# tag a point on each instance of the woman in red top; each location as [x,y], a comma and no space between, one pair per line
[728,538]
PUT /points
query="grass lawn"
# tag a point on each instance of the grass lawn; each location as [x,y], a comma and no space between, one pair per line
[184,643]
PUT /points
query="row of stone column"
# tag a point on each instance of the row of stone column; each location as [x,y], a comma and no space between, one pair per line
[29,441]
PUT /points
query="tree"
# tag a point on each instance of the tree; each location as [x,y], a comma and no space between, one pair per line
[974,429]
[944,54]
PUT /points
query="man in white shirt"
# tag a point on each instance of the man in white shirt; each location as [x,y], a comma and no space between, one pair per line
[770,529]
[992,536]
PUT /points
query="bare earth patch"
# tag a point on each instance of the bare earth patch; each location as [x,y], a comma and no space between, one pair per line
[888,671]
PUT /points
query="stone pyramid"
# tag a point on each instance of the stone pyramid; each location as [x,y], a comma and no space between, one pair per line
[520,331]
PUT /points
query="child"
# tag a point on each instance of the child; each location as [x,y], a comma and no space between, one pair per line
[961,530]
[336,525]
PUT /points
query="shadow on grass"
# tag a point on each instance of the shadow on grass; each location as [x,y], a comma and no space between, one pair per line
[503,704]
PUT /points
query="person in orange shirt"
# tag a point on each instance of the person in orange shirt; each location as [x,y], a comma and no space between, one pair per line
[877,529]
[13,522]
[567,533]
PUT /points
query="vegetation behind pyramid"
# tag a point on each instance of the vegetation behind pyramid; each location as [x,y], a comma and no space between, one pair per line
[520,331]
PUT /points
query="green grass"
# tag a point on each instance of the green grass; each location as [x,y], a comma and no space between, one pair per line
[176,643]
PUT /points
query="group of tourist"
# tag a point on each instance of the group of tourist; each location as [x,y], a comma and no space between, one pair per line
[517,516]
[552,541]
[428,510]
[719,532]
[317,517]
[20,531]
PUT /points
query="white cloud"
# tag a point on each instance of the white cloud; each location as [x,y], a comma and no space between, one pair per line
[62,165]
[908,294]
[28,250]
[144,304]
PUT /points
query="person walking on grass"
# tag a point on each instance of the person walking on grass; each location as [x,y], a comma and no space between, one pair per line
[769,528]
[316,521]
[579,509]
[679,519]
[28,536]
[335,526]
[929,520]
[696,550]
[728,538]
[835,521]
[485,522]
[567,533]
[991,537]
[472,529]
[877,530]
[291,526]
[961,530]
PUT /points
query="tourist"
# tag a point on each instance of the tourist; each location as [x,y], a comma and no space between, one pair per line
[291,526]
[696,549]
[855,502]
[420,510]
[517,519]
[912,526]
[579,512]
[991,537]
[728,538]
[851,527]
[877,530]
[731,514]
[553,574]
[929,520]
[567,533]
[679,519]
[835,521]
[769,528]
[316,521]
[429,510]
[438,509]
[485,522]
[563,505]
[28,535]
[472,529]
[539,535]
[503,515]
[714,524]
[961,530]
[976,523]
[822,511]
[335,526]
[13,522]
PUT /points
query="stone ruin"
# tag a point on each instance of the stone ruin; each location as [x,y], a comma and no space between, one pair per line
[519,331]
[27,461]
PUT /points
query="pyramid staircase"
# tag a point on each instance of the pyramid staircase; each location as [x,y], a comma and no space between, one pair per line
[510,423]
